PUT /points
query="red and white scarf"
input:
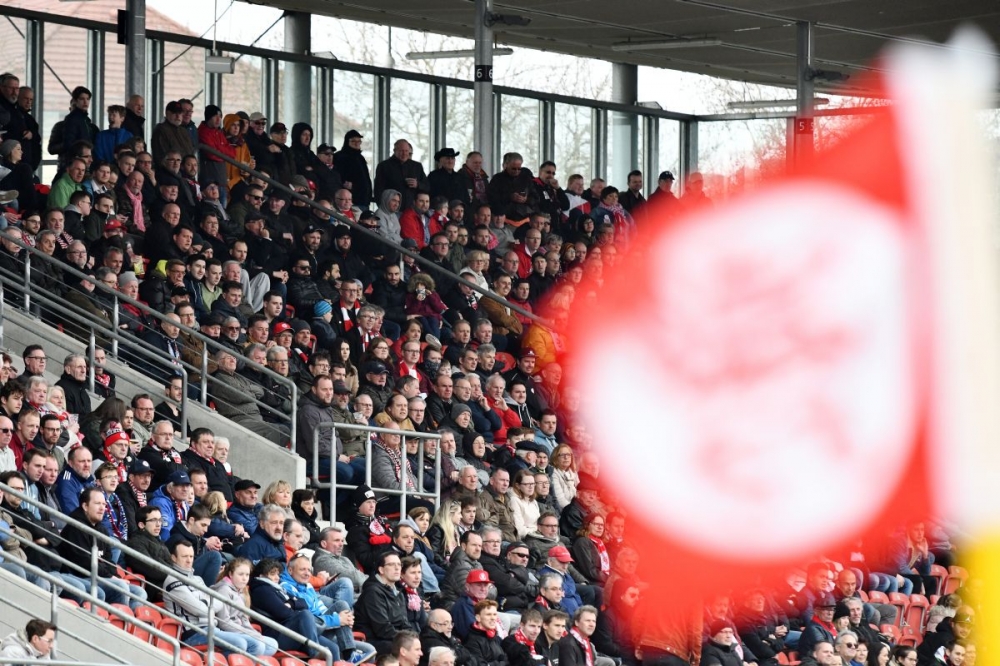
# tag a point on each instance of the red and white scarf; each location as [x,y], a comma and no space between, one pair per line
[397,465]
[524,640]
[492,633]
[602,554]
[413,600]
[138,223]
[588,649]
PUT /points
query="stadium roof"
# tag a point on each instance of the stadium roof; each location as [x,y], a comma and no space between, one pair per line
[757,38]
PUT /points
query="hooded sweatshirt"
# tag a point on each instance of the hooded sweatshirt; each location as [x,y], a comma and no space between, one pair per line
[241,153]
[17,645]
[389,221]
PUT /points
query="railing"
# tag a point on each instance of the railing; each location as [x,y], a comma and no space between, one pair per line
[401,491]
[133,343]
[214,597]
[339,217]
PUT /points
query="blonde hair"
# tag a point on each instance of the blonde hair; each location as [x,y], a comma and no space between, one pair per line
[273,489]
[216,503]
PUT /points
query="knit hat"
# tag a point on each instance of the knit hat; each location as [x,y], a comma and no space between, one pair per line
[322,308]
[300,325]
[458,410]
[212,111]
[114,434]
[719,625]
[8,146]
[361,494]
[841,610]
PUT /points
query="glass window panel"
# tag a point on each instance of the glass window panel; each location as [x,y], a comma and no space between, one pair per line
[459,121]
[735,156]
[669,154]
[624,144]
[354,108]
[573,141]
[241,90]
[519,129]
[65,47]
[410,118]
[114,77]
[184,78]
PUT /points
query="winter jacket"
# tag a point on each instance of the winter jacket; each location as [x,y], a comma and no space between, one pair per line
[17,646]
[494,510]
[525,514]
[714,654]
[310,596]
[389,224]
[432,639]
[571,598]
[454,580]
[232,618]
[167,138]
[380,612]
[218,478]
[310,414]
[514,592]
[168,509]
[76,546]
[260,545]
[338,566]
[245,516]
[353,168]
[69,486]
[486,650]
[392,174]
[587,559]
[268,598]
[149,546]
[181,598]
[539,546]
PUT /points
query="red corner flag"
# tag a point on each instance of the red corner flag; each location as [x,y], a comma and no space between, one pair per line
[768,370]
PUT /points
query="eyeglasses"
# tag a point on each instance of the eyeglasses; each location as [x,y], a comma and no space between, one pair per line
[548,524]
[851,645]
[6,430]
[254,197]
[440,244]
[519,554]
[491,541]
[155,521]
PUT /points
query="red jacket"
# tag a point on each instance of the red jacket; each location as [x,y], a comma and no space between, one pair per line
[215,138]
[410,226]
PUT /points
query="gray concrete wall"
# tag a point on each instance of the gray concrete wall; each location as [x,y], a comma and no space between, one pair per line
[251,455]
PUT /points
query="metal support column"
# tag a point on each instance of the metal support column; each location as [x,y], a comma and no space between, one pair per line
[483,122]
[213,86]
[297,83]
[135,56]
[324,106]
[34,61]
[689,151]
[269,89]
[155,98]
[381,143]
[95,74]
[599,143]
[650,152]
[625,126]
[804,92]
[439,118]
[547,131]
[496,137]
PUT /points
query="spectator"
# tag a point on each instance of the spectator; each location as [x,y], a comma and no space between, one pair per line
[266,541]
[437,635]
[200,455]
[146,540]
[172,500]
[463,561]
[401,173]
[494,504]
[483,642]
[207,551]
[721,647]
[34,642]
[819,629]
[592,557]
[553,629]
[329,557]
[381,608]
[160,453]
[77,546]
[76,477]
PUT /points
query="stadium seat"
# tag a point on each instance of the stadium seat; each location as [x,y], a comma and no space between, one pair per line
[101,613]
[892,631]
[146,614]
[170,627]
[191,657]
[876,597]
[940,574]
[117,621]
[916,613]
[240,660]
[909,637]
[270,661]
[863,595]
[901,602]
[934,599]
[956,579]
[508,360]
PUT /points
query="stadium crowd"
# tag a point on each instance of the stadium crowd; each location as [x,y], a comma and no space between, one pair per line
[523,558]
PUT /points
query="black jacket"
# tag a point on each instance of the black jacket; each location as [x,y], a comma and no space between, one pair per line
[218,479]
[77,397]
[448,184]
[517,654]
[713,654]
[431,639]
[149,546]
[76,546]
[485,650]
[380,613]
[130,503]
[512,592]
[571,653]
[549,653]
[391,299]
[391,174]
[162,463]
[353,168]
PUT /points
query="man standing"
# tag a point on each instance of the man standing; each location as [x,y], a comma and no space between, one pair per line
[416,222]
[575,648]
[135,116]
[401,173]
[169,135]
[632,199]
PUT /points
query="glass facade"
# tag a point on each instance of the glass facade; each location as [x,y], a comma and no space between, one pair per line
[735,156]
[519,129]
[410,118]
[573,141]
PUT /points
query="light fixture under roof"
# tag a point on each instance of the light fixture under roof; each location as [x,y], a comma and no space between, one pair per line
[772,104]
[679,43]
[460,53]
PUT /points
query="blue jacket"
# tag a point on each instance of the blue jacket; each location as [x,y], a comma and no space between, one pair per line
[571,599]
[260,546]
[107,140]
[306,593]
[245,517]
[462,616]
[69,486]
[162,501]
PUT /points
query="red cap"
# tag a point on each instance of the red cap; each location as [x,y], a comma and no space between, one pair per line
[280,328]
[113,224]
[561,553]
[478,576]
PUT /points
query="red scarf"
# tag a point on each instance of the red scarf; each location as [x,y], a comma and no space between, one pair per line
[490,633]
[379,535]
[140,496]
[543,602]
[524,640]
[180,510]
[119,464]
[602,554]
[397,465]
[588,649]
[826,625]
[169,455]
[413,600]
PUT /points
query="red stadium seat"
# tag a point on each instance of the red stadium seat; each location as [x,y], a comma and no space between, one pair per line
[191,657]
[956,579]
[901,602]
[117,621]
[863,595]
[909,637]
[508,360]
[876,597]
[892,631]
[170,627]
[916,613]
[940,574]
[148,615]
[270,661]
[240,660]
[934,599]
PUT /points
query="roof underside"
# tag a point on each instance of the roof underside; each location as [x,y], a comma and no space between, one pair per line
[758,36]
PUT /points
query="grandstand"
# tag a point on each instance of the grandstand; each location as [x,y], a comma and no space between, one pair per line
[231,322]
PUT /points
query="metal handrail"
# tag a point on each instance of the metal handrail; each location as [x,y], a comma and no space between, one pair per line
[116,335]
[159,566]
[95,602]
[337,215]
[402,492]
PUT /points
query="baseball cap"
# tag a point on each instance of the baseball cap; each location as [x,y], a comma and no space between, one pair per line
[113,224]
[340,388]
[174,107]
[278,127]
[478,576]
[527,352]
[179,478]
[257,115]
[245,484]
[280,328]
[962,618]
[561,553]
[375,368]
[140,467]
[325,148]
[666,175]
